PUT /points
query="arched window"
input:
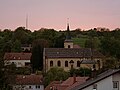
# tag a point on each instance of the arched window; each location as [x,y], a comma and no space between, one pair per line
[68,46]
[51,63]
[78,63]
[66,63]
[59,63]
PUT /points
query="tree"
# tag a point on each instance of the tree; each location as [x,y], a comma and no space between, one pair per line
[22,35]
[55,74]
[80,72]
[37,53]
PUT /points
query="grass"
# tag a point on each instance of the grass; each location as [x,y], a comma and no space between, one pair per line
[80,41]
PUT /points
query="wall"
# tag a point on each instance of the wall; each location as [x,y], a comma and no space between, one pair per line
[105,84]
[116,77]
[26,87]
[18,63]
[55,60]
[68,43]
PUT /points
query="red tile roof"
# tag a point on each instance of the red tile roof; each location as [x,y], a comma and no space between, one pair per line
[17,56]
[29,79]
[53,83]
[79,80]
[71,82]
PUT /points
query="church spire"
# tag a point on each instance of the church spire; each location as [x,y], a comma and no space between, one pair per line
[68,36]
[68,43]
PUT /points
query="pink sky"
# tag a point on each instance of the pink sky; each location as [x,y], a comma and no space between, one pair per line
[84,14]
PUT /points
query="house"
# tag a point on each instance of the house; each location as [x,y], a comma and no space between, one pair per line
[70,57]
[67,84]
[19,59]
[28,82]
[26,47]
[109,80]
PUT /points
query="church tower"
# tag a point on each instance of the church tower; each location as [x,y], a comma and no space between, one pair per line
[68,43]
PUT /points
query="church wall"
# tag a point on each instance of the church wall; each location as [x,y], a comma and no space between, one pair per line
[62,60]
[68,43]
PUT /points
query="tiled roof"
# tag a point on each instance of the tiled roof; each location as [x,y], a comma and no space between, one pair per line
[17,56]
[67,84]
[52,84]
[76,46]
[79,80]
[71,53]
[29,79]
[96,79]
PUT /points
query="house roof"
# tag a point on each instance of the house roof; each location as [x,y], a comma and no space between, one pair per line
[79,81]
[67,84]
[71,53]
[76,46]
[96,79]
[52,84]
[29,79]
[17,56]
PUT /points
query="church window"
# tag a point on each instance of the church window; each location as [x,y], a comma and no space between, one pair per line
[66,63]
[51,63]
[59,63]
[78,63]
[68,46]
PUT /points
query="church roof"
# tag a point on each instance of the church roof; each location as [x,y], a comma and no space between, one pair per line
[71,53]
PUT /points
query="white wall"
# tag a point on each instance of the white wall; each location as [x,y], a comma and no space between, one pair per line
[18,63]
[105,84]
[26,87]
[116,77]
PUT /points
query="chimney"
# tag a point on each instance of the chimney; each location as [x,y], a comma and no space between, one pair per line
[74,78]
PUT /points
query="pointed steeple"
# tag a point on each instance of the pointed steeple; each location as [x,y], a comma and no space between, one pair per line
[68,43]
[68,36]
[68,29]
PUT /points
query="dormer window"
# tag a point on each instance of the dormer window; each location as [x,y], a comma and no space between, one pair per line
[19,58]
[13,57]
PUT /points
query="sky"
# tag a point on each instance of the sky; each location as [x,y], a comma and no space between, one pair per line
[84,14]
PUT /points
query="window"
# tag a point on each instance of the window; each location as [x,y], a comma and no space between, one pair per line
[37,86]
[94,66]
[68,46]
[66,63]
[115,84]
[27,64]
[51,63]
[29,86]
[59,63]
[78,63]
[95,87]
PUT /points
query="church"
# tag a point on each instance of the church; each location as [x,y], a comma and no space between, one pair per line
[71,57]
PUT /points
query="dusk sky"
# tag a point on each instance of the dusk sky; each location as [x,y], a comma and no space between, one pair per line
[84,14]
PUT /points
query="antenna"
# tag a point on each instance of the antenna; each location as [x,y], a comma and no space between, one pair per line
[68,21]
[26,21]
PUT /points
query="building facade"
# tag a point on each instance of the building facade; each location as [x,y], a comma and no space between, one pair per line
[70,57]
[19,59]
[28,82]
[109,80]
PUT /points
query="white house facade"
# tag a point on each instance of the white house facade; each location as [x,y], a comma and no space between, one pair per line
[28,82]
[109,80]
[19,59]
